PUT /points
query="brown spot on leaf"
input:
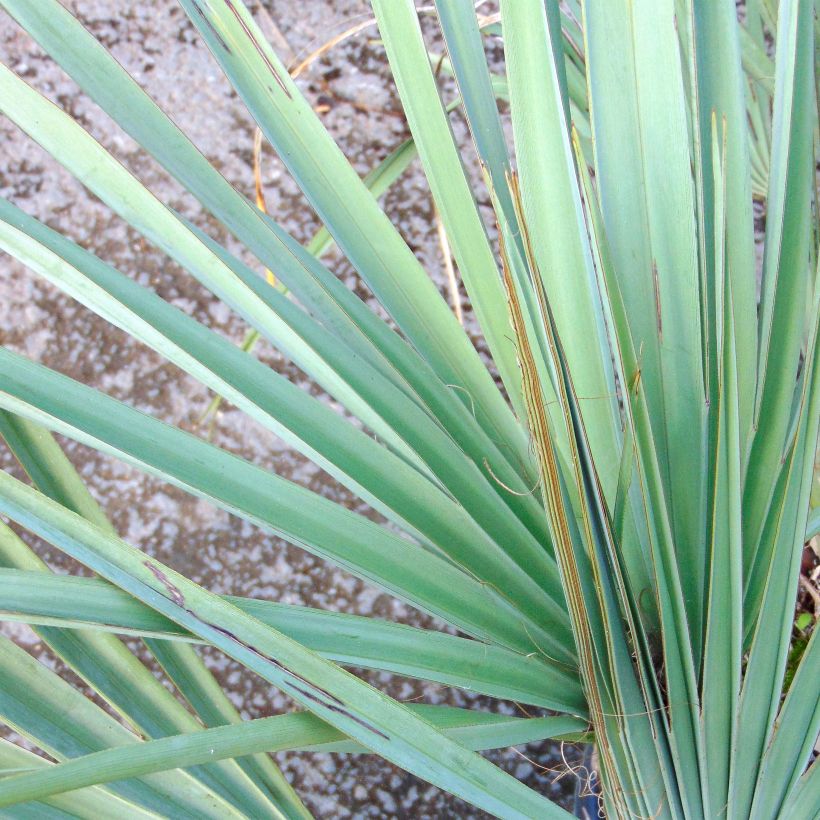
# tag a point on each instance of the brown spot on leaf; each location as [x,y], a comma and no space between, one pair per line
[176,596]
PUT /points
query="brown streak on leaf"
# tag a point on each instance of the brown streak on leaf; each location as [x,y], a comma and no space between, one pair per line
[657,292]
[176,596]
[215,33]
[550,471]
[335,705]
[258,47]
[341,711]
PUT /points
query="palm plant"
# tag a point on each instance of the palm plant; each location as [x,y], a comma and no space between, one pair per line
[613,524]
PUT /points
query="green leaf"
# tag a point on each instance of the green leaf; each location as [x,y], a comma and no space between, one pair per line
[794,737]
[723,649]
[101,660]
[88,804]
[554,222]
[349,454]
[194,681]
[337,697]
[361,642]
[378,181]
[474,730]
[675,739]
[806,794]
[786,284]
[643,168]
[767,658]
[406,51]
[767,661]
[465,47]
[351,541]
[60,720]
[813,526]
[49,468]
[345,206]
[315,287]
[720,92]
[403,368]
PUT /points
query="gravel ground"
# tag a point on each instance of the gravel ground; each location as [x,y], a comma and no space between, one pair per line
[157,44]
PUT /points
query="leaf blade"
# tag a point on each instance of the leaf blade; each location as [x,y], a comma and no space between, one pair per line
[334,695]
